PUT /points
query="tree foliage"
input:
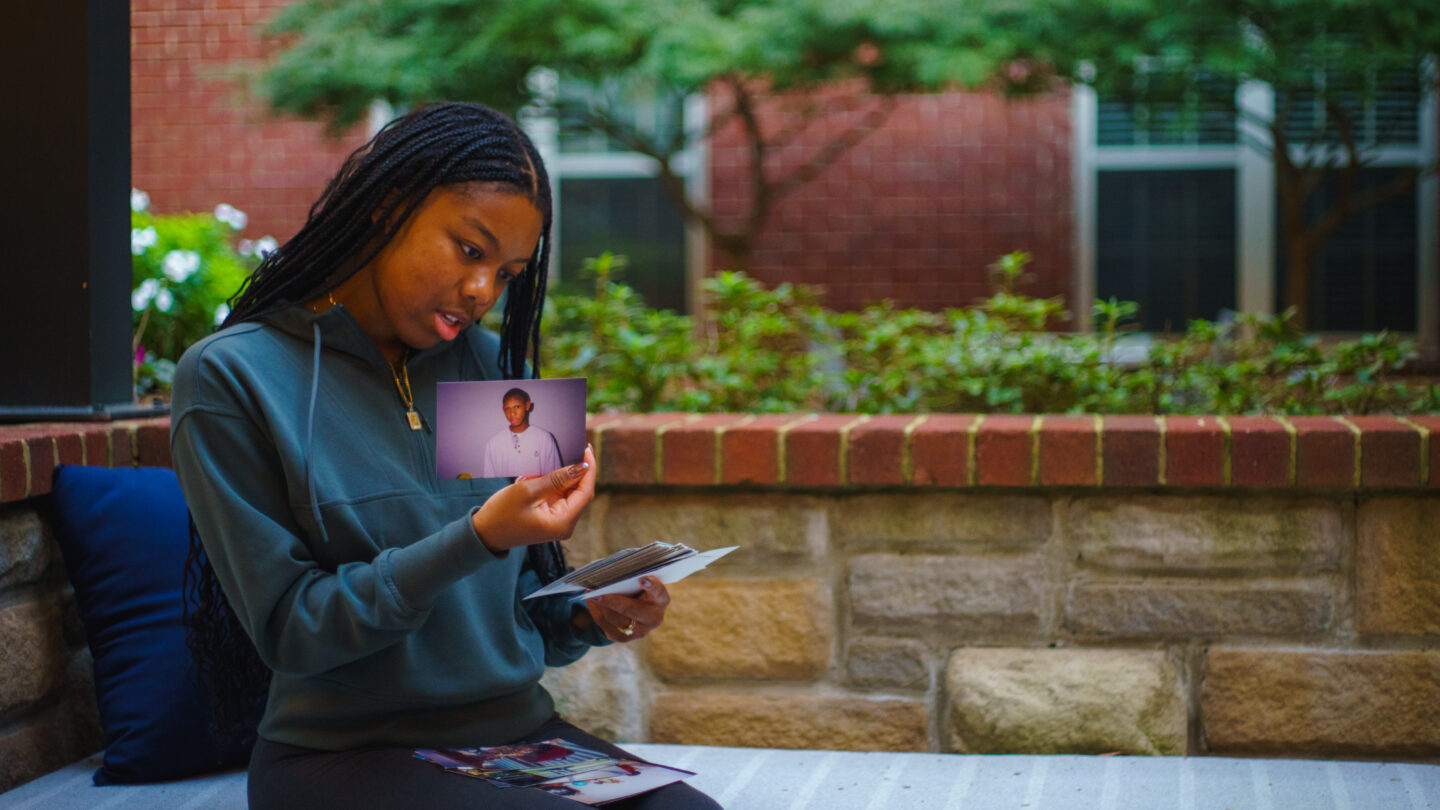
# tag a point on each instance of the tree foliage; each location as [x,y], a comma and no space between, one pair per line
[341,56]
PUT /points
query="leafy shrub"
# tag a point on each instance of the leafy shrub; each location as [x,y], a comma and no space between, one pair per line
[184,270]
[779,350]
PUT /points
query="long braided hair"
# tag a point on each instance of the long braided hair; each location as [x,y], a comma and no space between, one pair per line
[378,188]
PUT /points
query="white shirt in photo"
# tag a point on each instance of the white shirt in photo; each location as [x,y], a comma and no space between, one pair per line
[533,452]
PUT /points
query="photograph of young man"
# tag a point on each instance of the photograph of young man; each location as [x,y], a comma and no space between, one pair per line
[521,448]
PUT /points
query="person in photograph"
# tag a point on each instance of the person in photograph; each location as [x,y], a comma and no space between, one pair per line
[521,448]
[338,592]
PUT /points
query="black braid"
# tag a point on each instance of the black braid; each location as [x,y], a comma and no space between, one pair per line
[225,665]
[376,190]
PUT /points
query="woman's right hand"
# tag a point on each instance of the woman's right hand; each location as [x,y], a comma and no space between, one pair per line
[537,509]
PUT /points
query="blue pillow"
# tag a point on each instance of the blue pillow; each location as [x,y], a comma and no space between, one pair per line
[124,534]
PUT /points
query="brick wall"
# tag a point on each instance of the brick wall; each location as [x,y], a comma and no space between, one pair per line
[196,140]
[919,209]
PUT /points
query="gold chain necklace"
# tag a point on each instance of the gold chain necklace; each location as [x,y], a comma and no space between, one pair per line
[331,297]
[406,395]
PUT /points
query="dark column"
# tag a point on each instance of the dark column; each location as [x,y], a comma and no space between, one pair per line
[65,223]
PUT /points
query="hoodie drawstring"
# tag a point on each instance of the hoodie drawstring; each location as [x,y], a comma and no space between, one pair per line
[310,438]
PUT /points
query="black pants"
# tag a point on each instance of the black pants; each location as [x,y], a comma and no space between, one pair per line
[286,776]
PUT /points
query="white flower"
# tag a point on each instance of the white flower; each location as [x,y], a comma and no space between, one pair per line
[142,239]
[164,300]
[231,216]
[180,265]
[246,247]
[265,245]
[221,313]
[139,200]
[141,297]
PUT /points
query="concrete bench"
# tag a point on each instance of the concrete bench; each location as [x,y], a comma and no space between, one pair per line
[770,779]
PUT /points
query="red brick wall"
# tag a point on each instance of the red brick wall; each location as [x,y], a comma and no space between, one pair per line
[917,210]
[195,142]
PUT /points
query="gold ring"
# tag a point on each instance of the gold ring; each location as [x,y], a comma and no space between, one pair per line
[629,629]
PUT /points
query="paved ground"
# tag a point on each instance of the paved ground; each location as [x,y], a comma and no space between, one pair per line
[761,779]
[744,779]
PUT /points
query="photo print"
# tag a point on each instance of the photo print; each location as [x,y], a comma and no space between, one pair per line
[509,428]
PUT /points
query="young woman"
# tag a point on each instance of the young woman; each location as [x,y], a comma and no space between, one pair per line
[379,609]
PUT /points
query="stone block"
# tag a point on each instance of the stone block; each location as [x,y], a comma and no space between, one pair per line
[988,521]
[764,526]
[885,663]
[31,750]
[1064,701]
[1189,609]
[1284,702]
[602,693]
[1397,566]
[72,627]
[829,722]
[80,702]
[725,628]
[51,738]
[26,547]
[979,593]
[32,654]
[1183,534]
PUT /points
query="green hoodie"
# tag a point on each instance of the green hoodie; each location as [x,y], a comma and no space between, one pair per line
[357,574]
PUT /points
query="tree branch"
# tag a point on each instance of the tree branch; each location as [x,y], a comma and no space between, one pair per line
[1346,128]
[847,103]
[1401,184]
[760,189]
[837,146]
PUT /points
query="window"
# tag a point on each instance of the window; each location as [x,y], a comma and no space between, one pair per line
[1364,277]
[1167,239]
[609,198]
[627,216]
[1172,211]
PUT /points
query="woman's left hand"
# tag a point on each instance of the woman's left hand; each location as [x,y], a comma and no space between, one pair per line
[628,618]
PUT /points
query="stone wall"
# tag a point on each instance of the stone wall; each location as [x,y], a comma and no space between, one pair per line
[932,583]
[1179,585]
[1052,622]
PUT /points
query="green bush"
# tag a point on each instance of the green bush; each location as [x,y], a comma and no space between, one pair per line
[779,350]
[184,269]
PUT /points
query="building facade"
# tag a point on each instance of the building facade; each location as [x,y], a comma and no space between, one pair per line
[1109,198]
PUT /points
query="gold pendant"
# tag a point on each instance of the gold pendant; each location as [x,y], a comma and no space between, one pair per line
[414,419]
